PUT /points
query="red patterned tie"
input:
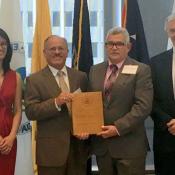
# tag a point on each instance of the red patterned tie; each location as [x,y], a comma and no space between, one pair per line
[110,81]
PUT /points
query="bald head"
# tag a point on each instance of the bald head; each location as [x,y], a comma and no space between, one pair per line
[54,36]
[55,51]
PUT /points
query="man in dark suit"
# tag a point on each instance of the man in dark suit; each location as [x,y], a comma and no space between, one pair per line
[163,113]
[58,152]
[121,146]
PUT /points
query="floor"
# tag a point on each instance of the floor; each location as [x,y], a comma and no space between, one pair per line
[147,173]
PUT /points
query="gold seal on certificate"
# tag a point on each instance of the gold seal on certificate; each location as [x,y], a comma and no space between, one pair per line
[87,113]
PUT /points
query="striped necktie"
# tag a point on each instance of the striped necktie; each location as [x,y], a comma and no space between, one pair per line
[62,83]
[110,81]
[64,87]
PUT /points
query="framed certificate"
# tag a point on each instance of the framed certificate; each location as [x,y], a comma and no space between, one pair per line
[87,113]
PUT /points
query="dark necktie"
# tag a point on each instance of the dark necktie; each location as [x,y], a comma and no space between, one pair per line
[110,81]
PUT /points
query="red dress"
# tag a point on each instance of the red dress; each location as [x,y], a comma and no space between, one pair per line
[7,97]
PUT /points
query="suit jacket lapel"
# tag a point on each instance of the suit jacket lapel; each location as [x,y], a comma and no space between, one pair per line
[121,79]
[101,80]
[167,72]
[71,79]
[102,74]
[48,76]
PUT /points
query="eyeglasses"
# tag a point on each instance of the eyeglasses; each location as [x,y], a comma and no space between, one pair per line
[3,45]
[118,44]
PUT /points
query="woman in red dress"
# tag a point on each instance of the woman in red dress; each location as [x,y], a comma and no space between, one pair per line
[10,107]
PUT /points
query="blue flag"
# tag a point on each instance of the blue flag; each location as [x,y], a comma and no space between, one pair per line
[132,20]
[81,41]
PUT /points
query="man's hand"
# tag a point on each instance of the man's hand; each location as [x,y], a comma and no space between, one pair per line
[82,136]
[63,98]
[108,131]
[171,126]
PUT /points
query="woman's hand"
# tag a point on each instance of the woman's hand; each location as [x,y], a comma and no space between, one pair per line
[1,138]
[6,144]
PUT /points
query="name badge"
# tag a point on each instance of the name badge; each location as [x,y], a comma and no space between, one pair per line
[130,69]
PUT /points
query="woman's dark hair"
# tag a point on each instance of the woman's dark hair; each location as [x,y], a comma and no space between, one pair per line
[8,56]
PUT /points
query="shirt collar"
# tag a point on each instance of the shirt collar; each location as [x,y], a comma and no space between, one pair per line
[55,71]
[119,65]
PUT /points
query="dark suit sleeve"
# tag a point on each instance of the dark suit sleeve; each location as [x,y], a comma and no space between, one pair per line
[84,82]
[90,78]
[142,102]
[159,116]
[35,107]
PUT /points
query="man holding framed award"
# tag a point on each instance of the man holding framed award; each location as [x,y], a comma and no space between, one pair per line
[121,146]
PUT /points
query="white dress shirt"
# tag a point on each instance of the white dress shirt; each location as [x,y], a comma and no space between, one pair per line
[55,74]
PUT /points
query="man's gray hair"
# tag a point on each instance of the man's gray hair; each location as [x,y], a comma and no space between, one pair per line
[168,19]
[119,30]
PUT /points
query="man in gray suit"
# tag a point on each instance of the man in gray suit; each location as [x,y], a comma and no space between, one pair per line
[121,146]
[58,152]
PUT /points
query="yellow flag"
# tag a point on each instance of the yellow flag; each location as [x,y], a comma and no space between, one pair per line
[42,31]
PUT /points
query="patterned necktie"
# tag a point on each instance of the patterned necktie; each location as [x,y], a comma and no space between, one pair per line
[62,83]
[64,87]
[110,81]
